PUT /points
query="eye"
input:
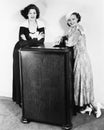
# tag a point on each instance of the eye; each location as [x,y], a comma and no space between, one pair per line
[69,20]
[28,12]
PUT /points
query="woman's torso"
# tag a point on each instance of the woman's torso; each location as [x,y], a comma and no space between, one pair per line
[24,30]
[77,39]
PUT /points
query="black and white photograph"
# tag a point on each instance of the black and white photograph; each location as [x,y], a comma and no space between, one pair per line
[52,65]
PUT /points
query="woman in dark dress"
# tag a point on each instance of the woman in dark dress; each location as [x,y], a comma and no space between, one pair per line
[31,33]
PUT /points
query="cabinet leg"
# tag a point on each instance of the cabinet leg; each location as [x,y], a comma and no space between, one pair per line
[24,120]
[67,127]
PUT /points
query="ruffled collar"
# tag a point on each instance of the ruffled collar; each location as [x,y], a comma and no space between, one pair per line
[40,24]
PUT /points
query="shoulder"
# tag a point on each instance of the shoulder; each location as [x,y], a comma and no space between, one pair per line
[40,24]
[23,28]
[24,24]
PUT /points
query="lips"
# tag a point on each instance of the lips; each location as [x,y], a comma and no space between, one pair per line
[32,17]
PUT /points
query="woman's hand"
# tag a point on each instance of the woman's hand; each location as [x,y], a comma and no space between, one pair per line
[40,36]
[33,35]
[57,40]
[23,37]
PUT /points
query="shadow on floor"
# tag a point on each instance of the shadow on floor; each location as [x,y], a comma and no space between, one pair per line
[11,113]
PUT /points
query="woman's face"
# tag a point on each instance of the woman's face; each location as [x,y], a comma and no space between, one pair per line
[32,14]
[72,21]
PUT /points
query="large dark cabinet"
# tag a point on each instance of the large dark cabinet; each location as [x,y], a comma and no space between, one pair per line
[46,85]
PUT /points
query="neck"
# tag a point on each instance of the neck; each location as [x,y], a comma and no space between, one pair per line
[32,21]
[32,24]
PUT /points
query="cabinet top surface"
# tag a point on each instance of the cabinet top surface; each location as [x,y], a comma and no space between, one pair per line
[46,49]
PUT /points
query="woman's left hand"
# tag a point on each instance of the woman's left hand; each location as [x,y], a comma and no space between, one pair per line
[40,36]
[34,35]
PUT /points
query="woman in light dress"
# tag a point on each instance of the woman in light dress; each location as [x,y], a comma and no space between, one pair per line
[83,78]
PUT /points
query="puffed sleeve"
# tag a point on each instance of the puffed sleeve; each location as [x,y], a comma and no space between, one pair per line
[21,31]
[42,31]
[23,42]
[73,40]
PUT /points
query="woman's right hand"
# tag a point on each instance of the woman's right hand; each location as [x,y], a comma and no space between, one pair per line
[23,37]
[57,40]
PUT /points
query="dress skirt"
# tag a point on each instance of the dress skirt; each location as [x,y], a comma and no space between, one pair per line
[16,95]
[83,77]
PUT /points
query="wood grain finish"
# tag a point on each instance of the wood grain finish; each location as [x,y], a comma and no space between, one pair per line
[46,82]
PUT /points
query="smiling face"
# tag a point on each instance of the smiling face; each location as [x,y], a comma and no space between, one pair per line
[72,21]
[32,14]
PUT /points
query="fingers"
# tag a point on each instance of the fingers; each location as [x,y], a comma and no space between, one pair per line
[23,37]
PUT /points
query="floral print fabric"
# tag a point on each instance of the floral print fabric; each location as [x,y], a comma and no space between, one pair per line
[83,78]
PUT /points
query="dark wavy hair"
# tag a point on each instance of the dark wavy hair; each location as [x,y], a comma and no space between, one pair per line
[77,15]
[25,11]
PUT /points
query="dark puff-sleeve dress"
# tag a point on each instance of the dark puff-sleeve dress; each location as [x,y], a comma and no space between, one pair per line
[29,42]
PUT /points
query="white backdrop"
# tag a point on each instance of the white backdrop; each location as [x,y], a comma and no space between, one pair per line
[52,13]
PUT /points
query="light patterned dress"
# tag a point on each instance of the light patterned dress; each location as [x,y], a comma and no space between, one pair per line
[83,78]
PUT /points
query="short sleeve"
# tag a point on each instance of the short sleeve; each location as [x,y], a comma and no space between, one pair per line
[80,29]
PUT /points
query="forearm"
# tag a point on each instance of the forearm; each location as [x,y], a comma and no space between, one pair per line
[32,42]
